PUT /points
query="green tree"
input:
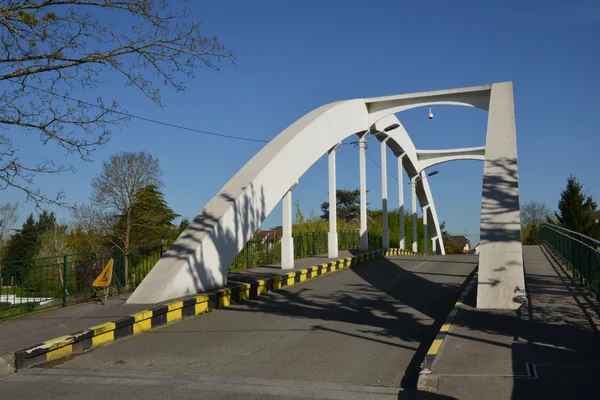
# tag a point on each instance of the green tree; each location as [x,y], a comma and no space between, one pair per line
[313,223]
[452,246]
[23,244]
[52,241]
[375,225]
[46,222]
[151,217]
[89,229]
[182,225]
[574,209]
[348,205]
[116,188]
[532,236]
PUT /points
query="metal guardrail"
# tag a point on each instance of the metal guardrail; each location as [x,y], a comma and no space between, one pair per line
[266,251]
[33,285]
[50,282]
[581,253]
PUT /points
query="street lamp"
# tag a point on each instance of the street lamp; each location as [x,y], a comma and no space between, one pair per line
[385,130]
[432,173]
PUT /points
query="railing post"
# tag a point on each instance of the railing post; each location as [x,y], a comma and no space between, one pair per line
[64,268]
[120,260]
[247,255]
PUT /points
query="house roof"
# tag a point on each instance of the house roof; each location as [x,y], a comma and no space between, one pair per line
[460,239]
[595,214]
[263,234]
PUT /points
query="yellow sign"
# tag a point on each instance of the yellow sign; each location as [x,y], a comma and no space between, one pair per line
[105,277]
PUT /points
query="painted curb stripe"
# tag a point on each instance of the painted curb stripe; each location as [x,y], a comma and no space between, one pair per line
[291,279]
[145,320]
[435,347]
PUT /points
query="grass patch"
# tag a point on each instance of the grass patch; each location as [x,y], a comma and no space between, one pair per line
[10,311]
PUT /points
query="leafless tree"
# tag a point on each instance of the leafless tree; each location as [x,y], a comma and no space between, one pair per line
[116,188]
[534,212]
[8,219]
[53,48]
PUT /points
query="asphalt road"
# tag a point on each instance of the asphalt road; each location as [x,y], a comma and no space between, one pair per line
[356,334]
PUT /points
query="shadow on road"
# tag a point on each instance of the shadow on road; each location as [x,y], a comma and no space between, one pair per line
[392,302]
[559,338]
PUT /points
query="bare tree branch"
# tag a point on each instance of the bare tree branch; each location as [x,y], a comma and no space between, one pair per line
[8,219]
[50,47]
[534,213]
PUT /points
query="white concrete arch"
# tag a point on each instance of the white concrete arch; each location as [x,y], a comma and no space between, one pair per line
[199,259]
[477,96]
[429,158]
[400,143]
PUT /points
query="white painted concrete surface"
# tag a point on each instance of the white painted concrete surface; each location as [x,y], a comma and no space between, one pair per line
[332,236]
[413,196]
[501,282]
[287,241]
[401,200]
[200,257]
[385,236]
[362,149]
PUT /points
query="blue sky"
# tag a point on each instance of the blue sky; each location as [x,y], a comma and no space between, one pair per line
[293,56]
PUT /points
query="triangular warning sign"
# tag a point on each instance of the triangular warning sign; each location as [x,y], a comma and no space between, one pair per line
[105,276]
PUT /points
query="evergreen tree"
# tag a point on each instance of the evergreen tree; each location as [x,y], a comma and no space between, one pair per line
[46,222]
[574,209]
[23,244]
[532,236]
[348,205]
[182,225]
[151,219]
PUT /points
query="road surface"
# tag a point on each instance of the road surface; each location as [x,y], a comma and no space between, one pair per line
[355,334]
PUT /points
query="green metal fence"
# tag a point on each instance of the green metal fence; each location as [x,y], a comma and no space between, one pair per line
[579,252]
[50,282]
[265,251]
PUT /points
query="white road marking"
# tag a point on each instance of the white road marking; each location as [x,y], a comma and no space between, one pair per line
[418,265]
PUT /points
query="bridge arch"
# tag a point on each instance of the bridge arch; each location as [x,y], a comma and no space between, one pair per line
[200,257]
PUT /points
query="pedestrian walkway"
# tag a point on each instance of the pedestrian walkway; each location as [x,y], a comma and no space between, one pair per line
[22,332]
[548,349]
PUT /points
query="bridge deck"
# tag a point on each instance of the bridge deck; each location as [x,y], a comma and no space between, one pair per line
[358,333]
[486,353]
[32,329]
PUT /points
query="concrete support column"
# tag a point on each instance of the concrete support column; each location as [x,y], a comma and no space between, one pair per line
[501,280]
[287,241]
[332,238]
[425,240]
[362,151]
[385,236]
[401,199]
[413,185]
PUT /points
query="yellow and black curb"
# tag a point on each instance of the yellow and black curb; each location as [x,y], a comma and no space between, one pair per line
[434,349]
[142,321]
